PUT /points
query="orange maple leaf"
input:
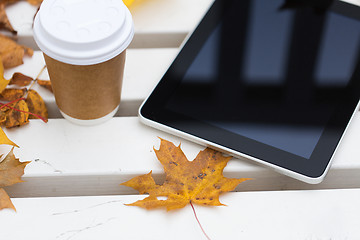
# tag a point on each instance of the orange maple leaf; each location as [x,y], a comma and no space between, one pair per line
[11,170]
[200,181]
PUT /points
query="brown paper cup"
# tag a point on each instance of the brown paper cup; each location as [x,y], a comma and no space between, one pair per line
[87,92]
[84,45]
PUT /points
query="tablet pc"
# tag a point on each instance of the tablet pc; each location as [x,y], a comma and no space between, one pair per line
[276,86]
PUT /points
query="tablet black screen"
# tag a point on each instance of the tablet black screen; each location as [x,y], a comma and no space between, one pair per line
[264,80]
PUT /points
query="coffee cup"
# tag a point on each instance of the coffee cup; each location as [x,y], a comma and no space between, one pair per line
[84,44]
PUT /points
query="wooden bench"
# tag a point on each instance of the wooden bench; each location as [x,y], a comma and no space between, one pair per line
[71,188]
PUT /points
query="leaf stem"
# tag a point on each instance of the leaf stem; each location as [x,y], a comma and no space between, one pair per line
[202,229]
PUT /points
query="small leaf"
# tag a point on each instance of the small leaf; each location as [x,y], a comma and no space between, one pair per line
[4,21]
[36,105]
[45,84]
[35,2]
[20,80]
[11,53]
[17,115]
[7,2]
[3,81]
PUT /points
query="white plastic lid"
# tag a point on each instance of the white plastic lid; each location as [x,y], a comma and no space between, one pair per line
[83,32]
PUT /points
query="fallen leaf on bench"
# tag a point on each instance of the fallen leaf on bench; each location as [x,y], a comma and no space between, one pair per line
[45,84]
[11,53]
[11,170]
[7,2]
[20,80]
[36,105]
[3,81]
[4,21]
[35,2]
[18,109]
[200,181]
[17,115]
[11,94]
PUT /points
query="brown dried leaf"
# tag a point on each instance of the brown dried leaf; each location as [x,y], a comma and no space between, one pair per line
[17,116]
[200,181]
[7,2]
[12,58]
[35,2]
[4,21]
[20,80]
[28,51]
[36,105]
[11,94]
[3,81]
[2,118]
[11,53]
[45,84]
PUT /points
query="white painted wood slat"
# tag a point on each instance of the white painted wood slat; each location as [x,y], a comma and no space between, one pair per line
[296,215]
[72,160]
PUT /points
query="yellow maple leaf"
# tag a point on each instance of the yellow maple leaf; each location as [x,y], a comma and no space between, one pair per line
[128,2]
[3,81]
[5,140]
[11,170]
[200,181]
